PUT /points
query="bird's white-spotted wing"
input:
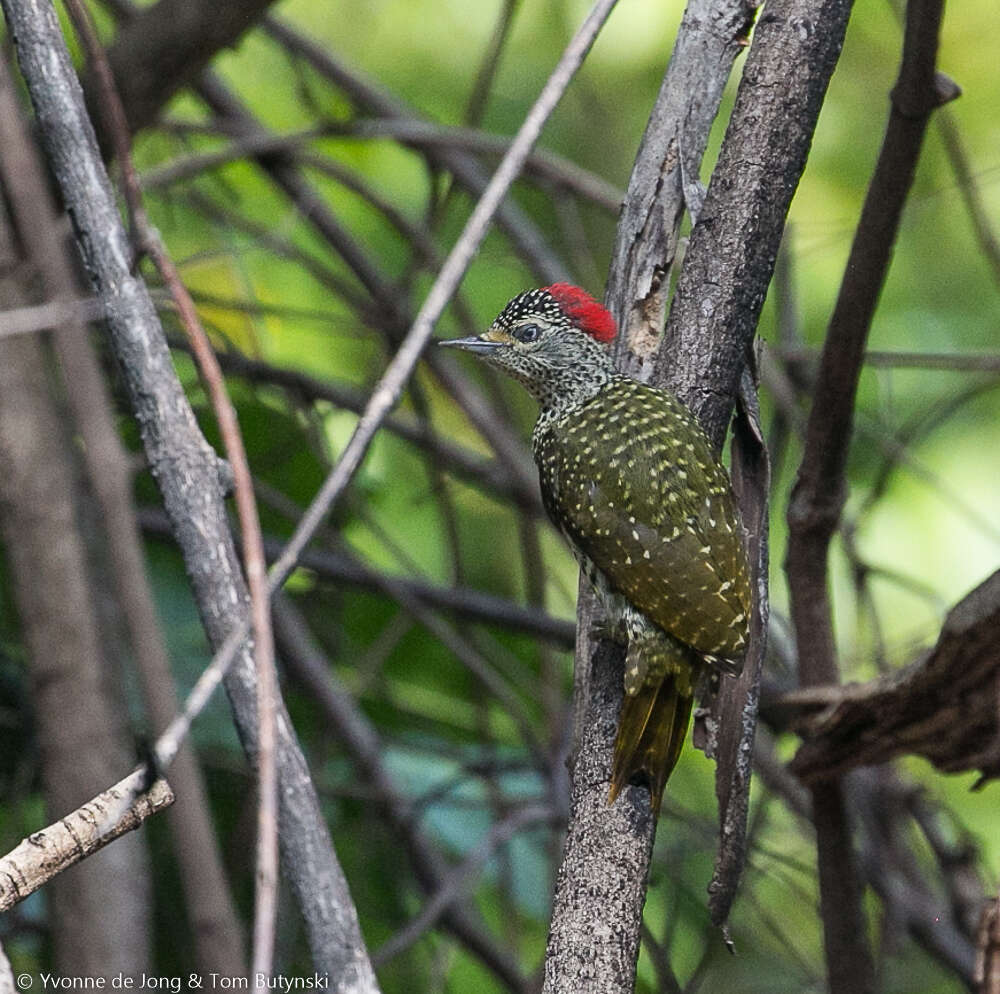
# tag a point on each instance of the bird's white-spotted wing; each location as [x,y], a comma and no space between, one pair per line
[631,480]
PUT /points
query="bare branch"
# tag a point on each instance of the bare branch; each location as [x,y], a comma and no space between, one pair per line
[218,938]
[820,489]
[968,187]
[186,469]
[456,458]
[44,854]
[711,35]
[116,126]
[460,879]
[521,230]
[712,322]
[389,388]
[735,710]
[541,164]
[361,742]
[39,317]
[987,971]
[943,707]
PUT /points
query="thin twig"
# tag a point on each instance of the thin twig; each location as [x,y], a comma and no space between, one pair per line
[242,147]
[467,171]
[389,388]
[186,470]
[490,474]
[964,362]
[44,854]
[361,741]
[460,879]
[542,164]
[820,490]
[149,241]
[978,213]
[463,602]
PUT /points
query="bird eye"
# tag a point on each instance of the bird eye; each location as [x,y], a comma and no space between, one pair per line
[527,333]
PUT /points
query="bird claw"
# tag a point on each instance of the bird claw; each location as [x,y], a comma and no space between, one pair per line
[602,629]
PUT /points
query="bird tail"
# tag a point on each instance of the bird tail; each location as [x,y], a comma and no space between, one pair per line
[654,719]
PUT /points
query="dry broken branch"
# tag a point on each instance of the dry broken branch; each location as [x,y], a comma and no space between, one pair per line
[42,855]
[942,707]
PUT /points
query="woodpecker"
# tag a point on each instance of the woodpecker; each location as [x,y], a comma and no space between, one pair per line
[630,479]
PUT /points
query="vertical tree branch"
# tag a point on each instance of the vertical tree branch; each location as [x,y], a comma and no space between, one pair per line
[187,472]
[149,242]
[711,34]
[594,938]
[216,930]
[820,489]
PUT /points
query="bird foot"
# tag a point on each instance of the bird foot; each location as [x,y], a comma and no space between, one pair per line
[604,629]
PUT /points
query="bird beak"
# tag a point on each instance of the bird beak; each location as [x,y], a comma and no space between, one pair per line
[483,346]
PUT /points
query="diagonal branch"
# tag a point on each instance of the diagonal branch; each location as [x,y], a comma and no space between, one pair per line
[179,457]
[46,853]
[186,470]
[466,169]
[360,740]
[149,242]
[942,707]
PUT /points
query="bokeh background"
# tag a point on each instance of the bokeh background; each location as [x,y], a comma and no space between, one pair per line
[468,751]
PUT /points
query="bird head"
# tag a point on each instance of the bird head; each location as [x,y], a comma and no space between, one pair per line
[553,340]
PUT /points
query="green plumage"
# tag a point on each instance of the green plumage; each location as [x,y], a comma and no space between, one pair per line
[630,479]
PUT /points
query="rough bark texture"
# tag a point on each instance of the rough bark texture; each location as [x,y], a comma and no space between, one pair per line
[77,835]
[601,884]
[942,707]
[711,35]
[733,247]
[215,928]
[606,855]
[987,972]
[734,710]
[821,485]
[80,738]
[187,472]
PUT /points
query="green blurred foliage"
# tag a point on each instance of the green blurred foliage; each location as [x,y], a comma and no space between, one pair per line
[446,740]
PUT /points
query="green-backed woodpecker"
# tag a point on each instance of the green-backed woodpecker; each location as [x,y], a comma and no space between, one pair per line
[629,477]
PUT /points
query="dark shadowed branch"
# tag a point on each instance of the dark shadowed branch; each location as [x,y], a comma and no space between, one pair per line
[732,718]
[359,738]
[466,169]
[167,44]
[942,707]
[820,489]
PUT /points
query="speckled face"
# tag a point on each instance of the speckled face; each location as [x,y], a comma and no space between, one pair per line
[536,342]
[532,305]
